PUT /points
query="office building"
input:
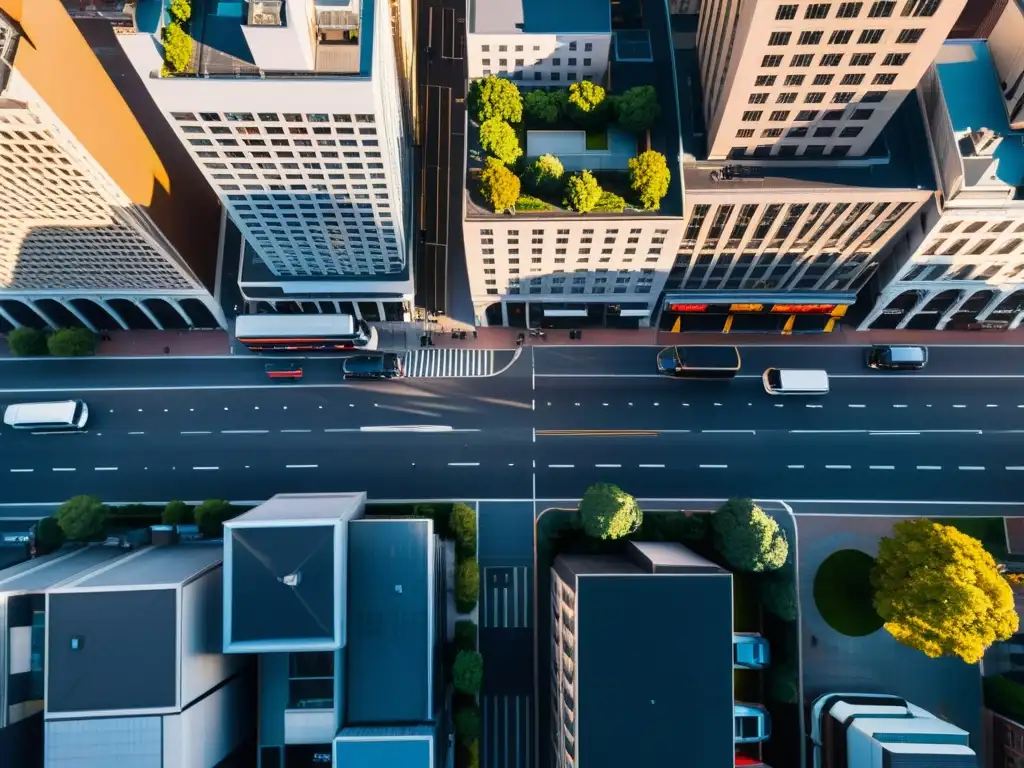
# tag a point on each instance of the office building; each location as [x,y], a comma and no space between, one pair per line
[812,79]
[672,703]
[969,270]
[977,20]
[539,42]
[297,114]
[1004,741]
[345,613]
[868,730]
[94,229]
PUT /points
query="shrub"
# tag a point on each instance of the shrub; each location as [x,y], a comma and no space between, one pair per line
[587,104]
[210,517]
[610,203]
[608,512]
[1004,696]
[499,186]
[439,514]
[177,513]
[467,586]
[49,535]
[582,192]
[495,97]
[778,594]
[545,174]
[82,518]
[499,139]
[180,10]
[27,342]
[749,538]
[468,672]
[465,635]
[72,342]
[531,203]
[543,106]
[637,109]
[177,47]
[467,723]
[649,178]
[467,755]
[462,523]
[674,526]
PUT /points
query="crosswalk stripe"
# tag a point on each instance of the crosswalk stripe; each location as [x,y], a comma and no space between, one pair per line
[450,362]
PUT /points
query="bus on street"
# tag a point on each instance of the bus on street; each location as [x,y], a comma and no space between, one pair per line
[304,333]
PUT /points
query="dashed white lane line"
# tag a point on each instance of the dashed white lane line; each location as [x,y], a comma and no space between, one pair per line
[561,466]
[795,466]
[205,468]
[193,433]
[136,433]
[1015,469]
[608,466]
[881,466]
[302,431]
[662,466]
[814,406]
[838,466]
[899,406]
[463,463]
[301,466]
[63,469]
[928,467]
[855,405]
[729,431]
[959,406]
[244,431]
[991,405]
[714,466]
[971,469]
[104,469]
[22,470]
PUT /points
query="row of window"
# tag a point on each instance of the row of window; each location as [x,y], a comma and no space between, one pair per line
[824,80]
[929,272]
[880,9]
[572,46]
[585,239]
[571,62]
[270,117]
[515,232]
[807,115]
[563,251]
[822,132]
[844,36]
[582,260]
[555,77]
[774,61]
[818,97]
[575,289]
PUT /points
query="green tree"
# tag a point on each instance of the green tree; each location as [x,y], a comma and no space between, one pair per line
[177,47]
[72,342]
[637,109]
[210,517]
[465,635]
[467,586]
[49,535]
[495,97]
[181,10]
[499,186]
[587,104]
[545,174]
[543,106]
[749,538]
[82,518]
[778,594]
[468,672]
[176,513]
[940,592]
[610,202]
[608,512]
[27,342]
[649,177]
[499,139]
[582,192]
[462,523]
[467,723]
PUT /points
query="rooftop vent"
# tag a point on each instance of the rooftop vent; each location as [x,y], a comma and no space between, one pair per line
[985,142]
[292,579]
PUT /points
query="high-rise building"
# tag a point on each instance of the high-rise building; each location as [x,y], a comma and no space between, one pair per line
[296,112]
[92,229]
[812,79]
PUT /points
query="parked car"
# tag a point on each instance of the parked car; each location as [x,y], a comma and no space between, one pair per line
[386,366]
[749,651]
[751,723]
[886,357]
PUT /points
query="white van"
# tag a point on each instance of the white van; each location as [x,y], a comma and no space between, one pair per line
[792,381]
[65,414]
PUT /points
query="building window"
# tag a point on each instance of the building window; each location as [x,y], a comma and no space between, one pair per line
[806,115]
[831,59]
[851,132]
[814,97]
[745,133]
[852,79]
[824,132]
[833,114]
[797,133]
[842,97]
[786,98]
[751,116]
[572,45]
[771,61]
[764,81]
[588,47]
[779,38]
[895,59]
[872,97]
[809,38]
[823,79]
[887,78]
[793,81]
[861,59]
[849,10]
[921,7]
[757,98]
[817,11]
[870,37]
[779,116]
[771,133]
[802,60]
[556,62]
[882,9]
[586,62]
[785,13]
[840,37]
[862,114]
[909,36]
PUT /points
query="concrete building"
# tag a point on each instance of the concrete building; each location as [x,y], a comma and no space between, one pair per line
[857,730]
[977,19]
[812,79]
[93,228]
[346,615]
[1003,740]
[539,42]
[672,704]
[969,269]
[297,114]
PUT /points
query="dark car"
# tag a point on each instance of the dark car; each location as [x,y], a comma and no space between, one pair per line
[892,358]
[386,366]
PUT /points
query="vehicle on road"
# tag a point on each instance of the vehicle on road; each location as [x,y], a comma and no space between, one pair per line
[749,651]
[886,357]
[386,366]
[699,362]
[751,723]
[62,415]
[304,333]
[283,371]
[794,381]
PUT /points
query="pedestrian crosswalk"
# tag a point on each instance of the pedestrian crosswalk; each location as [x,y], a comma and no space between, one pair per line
[446,362]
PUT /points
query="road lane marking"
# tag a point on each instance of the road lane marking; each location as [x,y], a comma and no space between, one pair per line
[794,466]
[729,431]
[104,469]
[244,431]
[837,466]
[814,406]
[561,466]
[205,468]
[928,467]
[63,469]
[971,469]
[899,406]
[852,405]
[652,466]
[714,466]
[991,405]
[894,432]
[881,466]
[301,466]
[296,431]
[22,470]
[1015,469]
[194,433]
[463,463]
[959,406]
[413,428]
[608,466]
[827,431]
[136,433]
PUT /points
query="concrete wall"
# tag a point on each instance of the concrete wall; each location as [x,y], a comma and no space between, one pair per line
[1006,43]
[203,664]
[537,53]
[207,732]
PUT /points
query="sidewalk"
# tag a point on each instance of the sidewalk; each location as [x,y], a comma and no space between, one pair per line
[171,343]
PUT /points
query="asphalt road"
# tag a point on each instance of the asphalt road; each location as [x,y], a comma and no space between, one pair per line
[532,432]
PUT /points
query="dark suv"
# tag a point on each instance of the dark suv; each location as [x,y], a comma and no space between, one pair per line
[386,366]
[889,358]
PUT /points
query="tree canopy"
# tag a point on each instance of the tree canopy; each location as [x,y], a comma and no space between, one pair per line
[499,139]
[582,192]
[177,47]
[72,342]
[467,585]
[176,513]
[543,106]
[494,96]
[82,518]
[748,538]
[180,10]
[211,515]
[637,109]
[608,512]
[49,536]
[462,524]
[778,594]
[27,342]
[499,186]
[586,103]
[468,672]
[467,723]
[939,591]
[545,174]
[649,177]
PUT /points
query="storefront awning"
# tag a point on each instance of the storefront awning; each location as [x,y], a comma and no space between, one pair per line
[837,298]
[564,312]
[634,313]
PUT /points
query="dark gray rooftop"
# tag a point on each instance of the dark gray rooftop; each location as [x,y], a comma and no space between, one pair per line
[540,17]
[155,566]
[263,606]
[390,627]
[127,658]
[385,747]
[49,570]
[654,670]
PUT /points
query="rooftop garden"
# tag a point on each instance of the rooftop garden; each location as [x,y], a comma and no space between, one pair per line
[178,43]
[508,180]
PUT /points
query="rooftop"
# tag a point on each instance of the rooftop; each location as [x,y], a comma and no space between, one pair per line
[971,89]
[362,747]
[390,621]
[154,567]
[508,17]
[51,570]
[672,704]
[899,158]
[121,13]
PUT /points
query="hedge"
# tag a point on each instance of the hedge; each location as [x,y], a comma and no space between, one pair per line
[465,635]
[467,586]
[462,523]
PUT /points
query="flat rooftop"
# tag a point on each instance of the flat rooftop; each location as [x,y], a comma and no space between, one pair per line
[899,159]
[540,17]
[362,747]
[970,86]
[390,621]
[51,570]
[672,704]
[155,566]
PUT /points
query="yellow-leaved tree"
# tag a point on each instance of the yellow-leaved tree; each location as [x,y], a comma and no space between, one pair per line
[940,592]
